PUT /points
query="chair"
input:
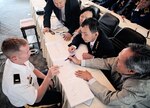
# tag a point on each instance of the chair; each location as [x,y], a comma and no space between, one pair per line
[108,23]
[126,36]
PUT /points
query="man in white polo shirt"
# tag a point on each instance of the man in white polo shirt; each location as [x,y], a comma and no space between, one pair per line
[19,81]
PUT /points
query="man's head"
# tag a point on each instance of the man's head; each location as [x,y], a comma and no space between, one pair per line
[90,29]
[59,3]
[89,12]
[16,49]
[85,13]
[134,59]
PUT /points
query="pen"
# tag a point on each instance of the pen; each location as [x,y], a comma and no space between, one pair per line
[68,57]
[51,32]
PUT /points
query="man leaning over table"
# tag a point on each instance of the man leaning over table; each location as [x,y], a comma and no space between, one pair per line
[131,73]
[19,82]
[67,11]
[94,38]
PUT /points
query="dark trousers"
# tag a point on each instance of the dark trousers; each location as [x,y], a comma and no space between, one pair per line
[51,96]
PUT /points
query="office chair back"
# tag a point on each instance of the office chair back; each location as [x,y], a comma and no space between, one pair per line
[109,23]
[126,36]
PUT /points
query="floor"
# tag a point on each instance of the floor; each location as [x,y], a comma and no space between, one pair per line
[10,26]
[10,17]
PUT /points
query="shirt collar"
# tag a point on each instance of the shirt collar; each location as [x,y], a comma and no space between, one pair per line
[92,43]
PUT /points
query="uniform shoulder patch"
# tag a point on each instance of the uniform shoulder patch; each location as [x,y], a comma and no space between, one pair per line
[17,79]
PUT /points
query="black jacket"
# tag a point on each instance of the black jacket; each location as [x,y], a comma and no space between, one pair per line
[102,48]
[141,17]
[72,12]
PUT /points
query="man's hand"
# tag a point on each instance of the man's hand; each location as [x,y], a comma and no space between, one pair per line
[77,31]
[46,29]
[75,60]
[84,75]
[71,49]
[54,70]
[141,5]
[67,36]
[87,56]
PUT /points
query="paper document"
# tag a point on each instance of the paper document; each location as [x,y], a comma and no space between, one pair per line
[88,102]
[76,89]
[57,52]
[55,23]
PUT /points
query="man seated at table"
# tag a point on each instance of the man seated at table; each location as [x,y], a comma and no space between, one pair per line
[141,14]
[131,73]
[67,11]
[120,6]
[19,82]
[97,43]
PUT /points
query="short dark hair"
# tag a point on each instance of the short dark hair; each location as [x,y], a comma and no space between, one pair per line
[140,61]
[95,11]
[92,23]
[11,45]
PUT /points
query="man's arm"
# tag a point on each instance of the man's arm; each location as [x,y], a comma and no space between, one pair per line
[39,74]
[96,63]
[77,40]
[100,63]
[42,89]
[72,14]
[48,11]
[45,84]
[124,97]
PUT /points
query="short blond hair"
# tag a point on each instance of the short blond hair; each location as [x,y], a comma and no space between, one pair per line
[11,45]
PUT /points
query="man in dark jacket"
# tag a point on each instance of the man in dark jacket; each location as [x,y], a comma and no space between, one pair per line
[67,12]
[141,14]
[97,42]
